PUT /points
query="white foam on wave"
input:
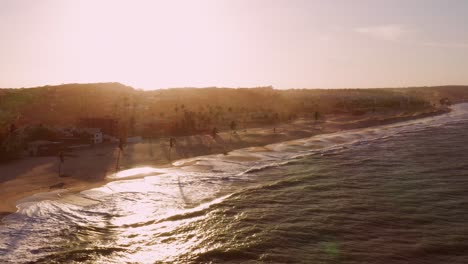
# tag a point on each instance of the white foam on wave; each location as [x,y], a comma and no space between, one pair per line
[239,163]
[187,188]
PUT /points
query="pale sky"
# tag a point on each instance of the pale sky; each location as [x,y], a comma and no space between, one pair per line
[234,43]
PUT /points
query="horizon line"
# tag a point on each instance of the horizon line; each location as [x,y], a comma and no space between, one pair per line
[238,87]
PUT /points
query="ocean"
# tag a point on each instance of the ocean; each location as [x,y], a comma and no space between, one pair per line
[390,194]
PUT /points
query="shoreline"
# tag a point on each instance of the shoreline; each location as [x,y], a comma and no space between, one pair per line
[90,168]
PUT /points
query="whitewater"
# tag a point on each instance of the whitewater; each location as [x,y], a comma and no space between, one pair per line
[387,194]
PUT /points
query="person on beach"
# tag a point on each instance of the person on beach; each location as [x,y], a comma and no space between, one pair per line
[214,133]
[233,127]
[12,128]
[61,157]
[172,142]
[121,144]
[121,148]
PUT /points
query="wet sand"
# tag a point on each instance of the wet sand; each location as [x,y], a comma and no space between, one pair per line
[91,167]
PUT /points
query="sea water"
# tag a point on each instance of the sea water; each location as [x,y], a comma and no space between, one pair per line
[390,194]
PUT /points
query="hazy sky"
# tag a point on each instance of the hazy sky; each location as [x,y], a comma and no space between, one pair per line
[234,43]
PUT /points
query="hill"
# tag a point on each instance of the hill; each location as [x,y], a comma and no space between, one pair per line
[195,108]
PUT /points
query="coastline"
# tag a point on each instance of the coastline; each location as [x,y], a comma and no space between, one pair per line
[88,168]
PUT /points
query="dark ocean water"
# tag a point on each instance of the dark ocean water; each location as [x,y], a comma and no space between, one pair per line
[391,194]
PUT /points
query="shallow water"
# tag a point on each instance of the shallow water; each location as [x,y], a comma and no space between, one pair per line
[390,194]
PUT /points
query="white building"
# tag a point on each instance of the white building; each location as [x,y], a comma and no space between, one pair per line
[96,135]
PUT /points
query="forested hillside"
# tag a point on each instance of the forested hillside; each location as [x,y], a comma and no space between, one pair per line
[64,105]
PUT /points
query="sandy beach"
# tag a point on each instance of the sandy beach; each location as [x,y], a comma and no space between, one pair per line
[90,167]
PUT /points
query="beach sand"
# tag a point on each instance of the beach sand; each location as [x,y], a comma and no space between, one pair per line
[91,167]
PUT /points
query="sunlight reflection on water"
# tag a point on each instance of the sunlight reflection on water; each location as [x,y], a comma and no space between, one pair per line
[135,172]
[353,186]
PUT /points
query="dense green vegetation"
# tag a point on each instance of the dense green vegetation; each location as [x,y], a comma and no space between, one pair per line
[191,110]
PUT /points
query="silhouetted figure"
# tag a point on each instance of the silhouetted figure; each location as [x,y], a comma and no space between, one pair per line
[317,115]
[214,133]
[121,148]
[274,130]
[12,128]
[121,144]
[233,126]
[61,157]
[172,142]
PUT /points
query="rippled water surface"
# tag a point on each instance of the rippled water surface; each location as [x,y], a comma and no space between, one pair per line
[391,194]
